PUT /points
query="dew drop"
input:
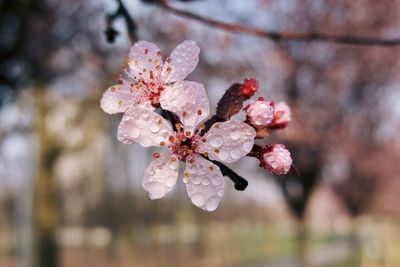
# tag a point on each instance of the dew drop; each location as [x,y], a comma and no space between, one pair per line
[156,190]
[235,135]
[205,181]
[216,180]
[236,154]
[215,141]
[173,165]
[170,181]
[154,128]
[223,155]
[212,203]
[135,133]
[248,145]
[220,193]
[198,199]
[145,141]
[145,115]
[192,169]
[196,180]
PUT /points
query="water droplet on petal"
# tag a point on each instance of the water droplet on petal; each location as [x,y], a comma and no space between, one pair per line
[198,199]
[205,181]
[236,154]
[248,145]
[220,193]
[215,141]
[216,180]
[223,155]
[135,133]
[212,203]
[196,180]
[235,135]
[173,165]
[145,141]
[145,115]
[154,128]
[170,181]
[156,190]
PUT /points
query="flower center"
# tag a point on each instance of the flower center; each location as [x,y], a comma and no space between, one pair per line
[184,145]
[155,90]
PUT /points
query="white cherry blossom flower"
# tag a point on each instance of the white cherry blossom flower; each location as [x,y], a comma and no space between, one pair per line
[150,77]
[225,141]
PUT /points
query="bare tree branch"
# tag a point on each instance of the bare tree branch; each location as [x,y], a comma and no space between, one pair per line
[282,36]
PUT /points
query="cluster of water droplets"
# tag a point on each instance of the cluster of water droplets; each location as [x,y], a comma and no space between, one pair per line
[228,141]
[276,158]
[260,113]
[143,126]
[204,183]
[161,175]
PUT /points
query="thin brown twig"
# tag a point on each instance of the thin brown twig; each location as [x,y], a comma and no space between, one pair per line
[282,36]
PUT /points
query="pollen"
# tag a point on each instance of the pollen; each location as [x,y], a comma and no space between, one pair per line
[169,69]
[199,112]
[178,126]
[211,168]
[173,159]
[150,60]
[120,102]
[158,67]
[216,150]
[184,114]
[216,125]
[168,59]
[186,174]
[162,143]
[160,121]
[146,51]
[171,139]
[112,89]
[156,155]
[159,53]
[188,133]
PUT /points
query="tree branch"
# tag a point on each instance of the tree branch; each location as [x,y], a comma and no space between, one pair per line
[282,36]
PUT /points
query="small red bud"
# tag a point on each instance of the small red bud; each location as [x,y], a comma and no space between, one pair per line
[249,87]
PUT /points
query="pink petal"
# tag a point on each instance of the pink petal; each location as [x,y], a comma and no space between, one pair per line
[145,127]
[145,58]
[118,98]
[182,62]
[161,175]
[204,183]
[228,141]
[188,100]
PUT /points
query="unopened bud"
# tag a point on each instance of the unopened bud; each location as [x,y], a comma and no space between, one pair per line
[259,113]
[282,115]
[276,159]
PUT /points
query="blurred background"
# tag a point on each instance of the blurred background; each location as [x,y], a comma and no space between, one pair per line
[71,195]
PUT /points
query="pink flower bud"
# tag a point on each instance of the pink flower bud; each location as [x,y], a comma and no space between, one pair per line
[276,159]
[249,87]
[260,113]
[282,115]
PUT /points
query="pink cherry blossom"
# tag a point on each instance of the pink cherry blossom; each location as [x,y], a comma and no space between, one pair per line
[276,159]
[260,113]
[150,77]
[225,141]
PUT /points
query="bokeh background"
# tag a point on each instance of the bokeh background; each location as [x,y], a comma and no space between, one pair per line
[70,193]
